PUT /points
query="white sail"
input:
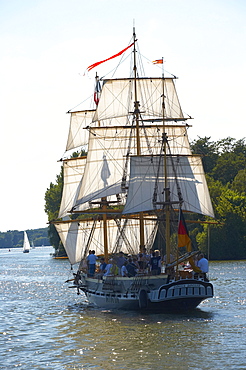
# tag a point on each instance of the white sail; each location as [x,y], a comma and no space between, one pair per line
[26,243]
[117,98]
[78,134]
[106,158]
[78,237]
[190,177]
[73,170]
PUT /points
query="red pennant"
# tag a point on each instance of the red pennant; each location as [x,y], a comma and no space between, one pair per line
[105,60]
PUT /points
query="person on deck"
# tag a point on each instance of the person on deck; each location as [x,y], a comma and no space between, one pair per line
[155,263]
[103,265]
[120,260]
[124,271]
[131,268]
[114,269]
[143,255]
[108,268]
[91,260]
[141,262]
[150,255]
[203,265]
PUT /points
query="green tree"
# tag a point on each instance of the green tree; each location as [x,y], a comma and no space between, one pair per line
[207,150]
[230,145]
[52,203]
[228,237]
[239,182]
[227,166]
[216,188]
[224,164]
[6,240]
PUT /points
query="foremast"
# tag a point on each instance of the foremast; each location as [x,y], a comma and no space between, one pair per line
[104,201]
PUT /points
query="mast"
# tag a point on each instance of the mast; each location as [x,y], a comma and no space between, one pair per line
[136,113]
[166,189]
[104,199]
[105,229]
[136,102]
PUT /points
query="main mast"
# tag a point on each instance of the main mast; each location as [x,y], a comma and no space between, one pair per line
[166,188]
[136,114]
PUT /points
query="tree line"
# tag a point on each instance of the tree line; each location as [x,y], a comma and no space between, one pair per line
[224,163]
[14,238]
[225,167]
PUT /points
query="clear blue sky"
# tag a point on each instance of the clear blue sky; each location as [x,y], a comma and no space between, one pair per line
[46,46]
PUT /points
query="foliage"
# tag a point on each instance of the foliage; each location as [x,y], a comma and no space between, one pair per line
[227,238]
[239,182]
[207,150]
[53,197]
[225,162]
[14,238]
[227,167]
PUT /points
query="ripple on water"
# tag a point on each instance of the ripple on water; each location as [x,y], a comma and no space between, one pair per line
[45,325]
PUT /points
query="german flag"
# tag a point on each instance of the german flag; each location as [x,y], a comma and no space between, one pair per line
[183,235]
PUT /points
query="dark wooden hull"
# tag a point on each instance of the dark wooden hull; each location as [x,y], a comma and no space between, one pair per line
[161,296]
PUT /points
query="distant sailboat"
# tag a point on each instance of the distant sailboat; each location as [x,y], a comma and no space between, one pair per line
[26,243]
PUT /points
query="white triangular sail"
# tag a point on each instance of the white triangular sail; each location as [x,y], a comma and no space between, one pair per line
[26,243]
[190,178]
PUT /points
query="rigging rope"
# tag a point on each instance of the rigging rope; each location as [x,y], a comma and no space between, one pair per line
[122,237]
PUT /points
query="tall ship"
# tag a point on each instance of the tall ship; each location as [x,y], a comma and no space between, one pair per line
[131,192]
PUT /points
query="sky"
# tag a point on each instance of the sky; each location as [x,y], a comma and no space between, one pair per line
[45,47]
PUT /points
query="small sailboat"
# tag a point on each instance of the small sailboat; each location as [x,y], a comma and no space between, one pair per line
[136,183]
[26,243]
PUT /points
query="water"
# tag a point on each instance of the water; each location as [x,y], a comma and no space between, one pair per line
[45,325]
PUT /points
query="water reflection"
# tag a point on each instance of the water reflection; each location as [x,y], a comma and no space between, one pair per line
[45,325]
[123,339]
[197,313]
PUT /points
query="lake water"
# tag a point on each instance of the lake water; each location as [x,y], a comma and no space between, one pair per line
[45,325]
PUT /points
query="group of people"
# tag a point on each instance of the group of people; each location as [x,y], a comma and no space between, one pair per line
[132,265]
[125,266]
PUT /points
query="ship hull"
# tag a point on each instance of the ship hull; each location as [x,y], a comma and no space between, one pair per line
[146,293]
